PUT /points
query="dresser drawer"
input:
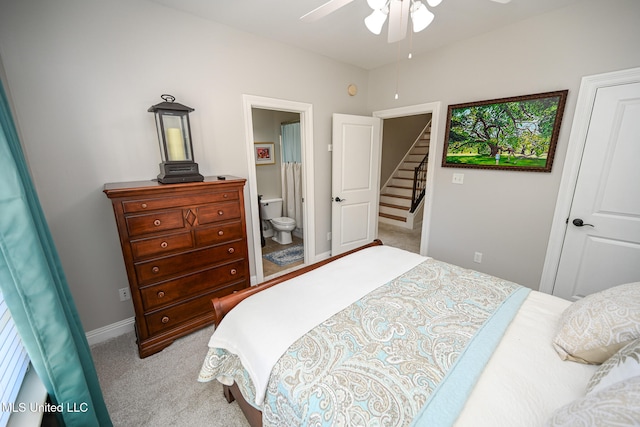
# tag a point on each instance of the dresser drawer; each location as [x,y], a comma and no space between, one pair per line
[163,268]
[172,317]
[155,222]
[145,248]
[219,233]
[166,293]
[218,212]
[146,205]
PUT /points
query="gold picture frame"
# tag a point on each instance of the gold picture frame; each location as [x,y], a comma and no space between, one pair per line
[264,153]
[518,133]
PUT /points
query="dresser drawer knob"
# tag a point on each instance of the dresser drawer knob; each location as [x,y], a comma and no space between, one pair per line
[220,233]
[144,206]
[157,222]
[220,213]
[233,271]
[231,250]
[163,245]
[160,294]
[165,319]
[155,270]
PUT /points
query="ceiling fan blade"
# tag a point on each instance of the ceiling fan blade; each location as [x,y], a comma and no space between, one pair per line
[323,10]
[398,19]
[502,1]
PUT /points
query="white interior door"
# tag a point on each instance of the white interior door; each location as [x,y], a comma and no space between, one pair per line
[355,181]
[601,246]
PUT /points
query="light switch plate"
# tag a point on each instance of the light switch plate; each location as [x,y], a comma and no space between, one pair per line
[458,178]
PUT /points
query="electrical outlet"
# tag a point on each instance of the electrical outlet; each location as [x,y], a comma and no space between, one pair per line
[329,236]
[477,257]
[124,294]
[458,178]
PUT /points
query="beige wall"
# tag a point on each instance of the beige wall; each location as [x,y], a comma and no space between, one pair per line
[398,135]
[266,128]
[507,215]
[82,74]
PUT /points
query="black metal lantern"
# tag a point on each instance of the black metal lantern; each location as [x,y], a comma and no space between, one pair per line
[174,135]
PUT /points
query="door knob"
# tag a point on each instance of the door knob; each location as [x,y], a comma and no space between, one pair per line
[338,199]
[580,223]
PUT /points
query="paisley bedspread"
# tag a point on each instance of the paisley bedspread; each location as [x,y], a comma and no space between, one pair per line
[407,353]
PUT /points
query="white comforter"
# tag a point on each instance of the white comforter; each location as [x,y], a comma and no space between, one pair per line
[525,381]
[308,302]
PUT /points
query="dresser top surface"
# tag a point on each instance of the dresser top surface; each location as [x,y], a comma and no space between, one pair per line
[115,189]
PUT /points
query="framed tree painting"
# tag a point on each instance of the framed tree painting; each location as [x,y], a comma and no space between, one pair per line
[264,152]
[518,133]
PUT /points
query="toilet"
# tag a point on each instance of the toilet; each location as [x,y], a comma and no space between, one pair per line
[271,213]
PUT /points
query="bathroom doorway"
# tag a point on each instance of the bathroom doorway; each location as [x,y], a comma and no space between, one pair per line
[280,185]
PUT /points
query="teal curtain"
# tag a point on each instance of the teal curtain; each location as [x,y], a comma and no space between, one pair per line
[291,143]
[36,291]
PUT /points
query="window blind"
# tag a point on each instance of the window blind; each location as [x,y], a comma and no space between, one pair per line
[13,363]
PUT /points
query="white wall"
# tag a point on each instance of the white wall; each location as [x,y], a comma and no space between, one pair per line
[267,176]
[83,74]
[507,215]
[267,128]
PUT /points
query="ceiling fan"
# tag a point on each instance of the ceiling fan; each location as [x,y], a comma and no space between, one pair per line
[398,12]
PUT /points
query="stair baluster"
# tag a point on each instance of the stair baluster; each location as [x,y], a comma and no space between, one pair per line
[419,183]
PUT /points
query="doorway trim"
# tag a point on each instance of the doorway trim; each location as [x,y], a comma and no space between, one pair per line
[306,133]
[577,139]
[412,110]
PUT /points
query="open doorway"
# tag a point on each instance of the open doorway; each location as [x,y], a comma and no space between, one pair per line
[278,146]
[283,194]
[406,147]
[433,110]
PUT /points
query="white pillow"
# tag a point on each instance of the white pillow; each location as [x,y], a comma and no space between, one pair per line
[594,328]
[616,405]
[619,367]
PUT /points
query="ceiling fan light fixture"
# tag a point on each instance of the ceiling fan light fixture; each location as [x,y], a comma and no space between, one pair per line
[434,3]
[421,17]
[375,21]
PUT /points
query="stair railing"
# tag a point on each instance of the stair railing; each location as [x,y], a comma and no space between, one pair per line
[419,183]
[420,178]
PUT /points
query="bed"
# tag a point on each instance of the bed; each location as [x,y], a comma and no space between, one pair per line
[383,337]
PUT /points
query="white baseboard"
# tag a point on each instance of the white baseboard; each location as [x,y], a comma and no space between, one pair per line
[110,331]
[323,256]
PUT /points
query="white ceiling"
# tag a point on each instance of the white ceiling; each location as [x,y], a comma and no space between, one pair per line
[343,36]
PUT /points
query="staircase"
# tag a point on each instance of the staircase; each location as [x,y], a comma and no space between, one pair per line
[396,197]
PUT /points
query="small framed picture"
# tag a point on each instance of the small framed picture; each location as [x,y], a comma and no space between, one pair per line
[265,154]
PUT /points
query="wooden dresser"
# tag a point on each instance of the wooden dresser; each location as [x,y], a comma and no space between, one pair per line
[183,244]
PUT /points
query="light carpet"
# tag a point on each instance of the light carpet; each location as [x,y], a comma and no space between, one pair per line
[162,389]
